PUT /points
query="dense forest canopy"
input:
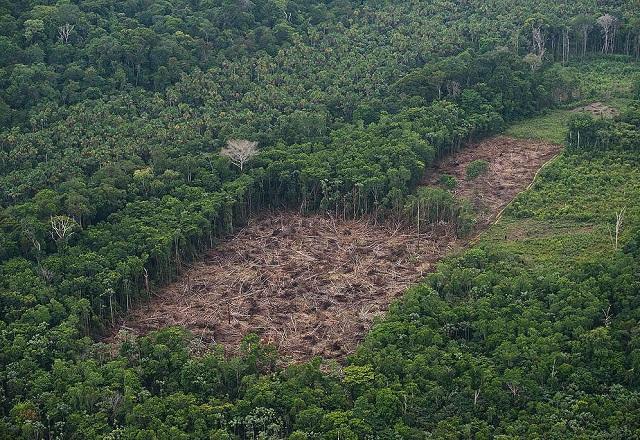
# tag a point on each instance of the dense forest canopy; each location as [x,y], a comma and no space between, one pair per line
[274,57]
[113,115]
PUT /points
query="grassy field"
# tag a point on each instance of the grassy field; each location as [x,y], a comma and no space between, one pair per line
[550,127]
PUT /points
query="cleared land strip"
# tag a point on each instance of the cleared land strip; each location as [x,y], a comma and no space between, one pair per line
[312,285]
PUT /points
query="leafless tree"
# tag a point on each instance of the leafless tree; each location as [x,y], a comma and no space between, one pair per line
[146,280]
[239,151]
[538,40]
[619,219]
[64,32]
[608,316]
[534,59]
[62,227]
[607,22]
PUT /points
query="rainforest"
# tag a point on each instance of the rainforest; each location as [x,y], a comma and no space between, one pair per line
[331,219]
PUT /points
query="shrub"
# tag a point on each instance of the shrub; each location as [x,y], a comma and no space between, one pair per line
[448,181]
[477,168]
[435,205]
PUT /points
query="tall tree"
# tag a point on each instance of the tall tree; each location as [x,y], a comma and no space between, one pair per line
[239,151]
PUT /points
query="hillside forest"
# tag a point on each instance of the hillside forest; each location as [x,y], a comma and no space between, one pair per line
[137,136]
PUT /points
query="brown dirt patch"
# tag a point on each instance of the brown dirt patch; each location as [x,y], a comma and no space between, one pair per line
[599,109]
[513,164]
[312,285]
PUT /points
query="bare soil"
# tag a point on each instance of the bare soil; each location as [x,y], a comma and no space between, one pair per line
[312,285]
[599,109]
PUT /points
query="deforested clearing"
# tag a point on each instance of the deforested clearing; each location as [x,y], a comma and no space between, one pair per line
[312,285]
